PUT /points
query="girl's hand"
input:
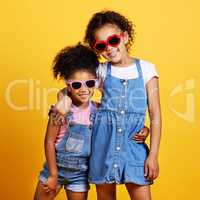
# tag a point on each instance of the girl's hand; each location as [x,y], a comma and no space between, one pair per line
[142,135]
[151,168]
[63,106]
[55,117]
[57,111]
[51,185]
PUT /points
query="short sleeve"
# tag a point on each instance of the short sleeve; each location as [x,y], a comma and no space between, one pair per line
[101,74]
[149,71]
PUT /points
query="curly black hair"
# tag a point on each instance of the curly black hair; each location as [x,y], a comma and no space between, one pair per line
[74,58]
[109,17]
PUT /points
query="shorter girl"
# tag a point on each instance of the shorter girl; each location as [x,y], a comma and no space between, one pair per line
[67,153]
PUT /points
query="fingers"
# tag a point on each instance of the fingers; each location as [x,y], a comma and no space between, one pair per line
[139,137]
[47,189]
[138,140]
[52,110]
[155,173]
[150,173]
[57,118]
[146,170]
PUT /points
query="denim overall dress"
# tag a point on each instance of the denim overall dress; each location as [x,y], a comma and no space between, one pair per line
[72,154]
[116,157]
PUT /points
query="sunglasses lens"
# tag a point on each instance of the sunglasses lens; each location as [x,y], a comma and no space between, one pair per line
[90,83]
[114,41]
[100,46]
[76,85]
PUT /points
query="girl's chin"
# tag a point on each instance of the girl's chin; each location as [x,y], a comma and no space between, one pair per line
[84,100]
[80,101]
[115,60]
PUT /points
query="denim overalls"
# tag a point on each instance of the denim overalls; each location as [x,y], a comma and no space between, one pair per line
[74,150]
[116,157]
[72,156]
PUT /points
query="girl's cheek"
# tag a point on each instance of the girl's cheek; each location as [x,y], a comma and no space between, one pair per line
[91,91]
[73,92]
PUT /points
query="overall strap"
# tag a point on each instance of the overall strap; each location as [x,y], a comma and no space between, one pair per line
[137,62]
[93,110]
[108,69]
[69,117]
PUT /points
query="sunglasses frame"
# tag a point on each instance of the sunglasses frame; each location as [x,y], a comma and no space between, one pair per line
[83,83]
[106,42]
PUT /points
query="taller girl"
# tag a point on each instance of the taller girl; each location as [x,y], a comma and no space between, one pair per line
[129,86]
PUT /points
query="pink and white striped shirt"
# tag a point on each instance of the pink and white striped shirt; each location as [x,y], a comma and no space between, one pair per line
[79,116]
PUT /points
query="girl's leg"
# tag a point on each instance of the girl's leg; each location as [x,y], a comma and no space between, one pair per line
[41,194]
[106,192]
[76,195]
[138,192]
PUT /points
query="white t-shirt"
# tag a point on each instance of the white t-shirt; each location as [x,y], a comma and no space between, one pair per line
[130,72]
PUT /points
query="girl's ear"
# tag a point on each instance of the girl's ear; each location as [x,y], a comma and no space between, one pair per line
[125,37]
[68,88]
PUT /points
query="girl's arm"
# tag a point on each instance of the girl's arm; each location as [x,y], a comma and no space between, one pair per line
[49,144]
[53,126]
[55,121]
[151,165]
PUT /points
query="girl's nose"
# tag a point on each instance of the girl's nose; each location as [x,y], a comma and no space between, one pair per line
[109,48]
[84,87]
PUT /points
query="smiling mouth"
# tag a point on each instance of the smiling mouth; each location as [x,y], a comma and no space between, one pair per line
[113,54]
[83,95]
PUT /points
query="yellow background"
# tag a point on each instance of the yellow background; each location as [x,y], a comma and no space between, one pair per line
[32,31]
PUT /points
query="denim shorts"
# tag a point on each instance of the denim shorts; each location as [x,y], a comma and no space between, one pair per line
[74,180]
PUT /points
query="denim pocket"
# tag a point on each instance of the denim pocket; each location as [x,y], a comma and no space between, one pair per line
[74,143]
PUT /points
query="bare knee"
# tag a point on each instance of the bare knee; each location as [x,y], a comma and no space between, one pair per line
[106,192]
[139,192]
[76,195]
[41,194]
